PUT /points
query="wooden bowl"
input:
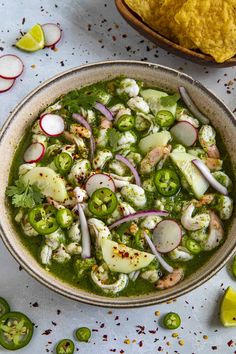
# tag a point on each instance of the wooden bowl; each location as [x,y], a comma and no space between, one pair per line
[196,56]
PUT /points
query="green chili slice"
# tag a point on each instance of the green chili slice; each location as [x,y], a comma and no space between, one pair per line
[65,346]
[63,162]
[64,218]
[172,320]
[43,219]
[164,118]
[4,307]
[125,122]
[193,246]
[167,182]
[16,330]
[234,267]
[102,202]
[83,334]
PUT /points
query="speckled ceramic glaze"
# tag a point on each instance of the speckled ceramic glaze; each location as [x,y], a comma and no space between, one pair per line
[13,130]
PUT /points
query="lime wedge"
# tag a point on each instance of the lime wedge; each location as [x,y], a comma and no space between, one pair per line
[32,40]
[228,308]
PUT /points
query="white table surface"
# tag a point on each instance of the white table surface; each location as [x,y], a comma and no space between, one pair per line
[94,31]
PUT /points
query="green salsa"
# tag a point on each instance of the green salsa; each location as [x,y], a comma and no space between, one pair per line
[85,214]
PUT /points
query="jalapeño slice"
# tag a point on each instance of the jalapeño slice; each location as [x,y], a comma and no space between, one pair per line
[125,122]
[167,182]
[16,330]
[43,219]
[102,202]
[172,320]
[65,346]
[63,162]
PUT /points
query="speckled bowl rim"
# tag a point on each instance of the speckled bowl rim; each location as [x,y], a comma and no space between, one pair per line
[110,301]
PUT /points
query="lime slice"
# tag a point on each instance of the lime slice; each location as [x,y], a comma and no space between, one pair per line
[32,40]
[228,308]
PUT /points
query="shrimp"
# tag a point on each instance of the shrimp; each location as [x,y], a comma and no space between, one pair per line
[105,123]
[196,222]
[170,280]
[207,140]
[99,230]
[213,164]
[216,233]
[205,200]
[152,158]
[100,277]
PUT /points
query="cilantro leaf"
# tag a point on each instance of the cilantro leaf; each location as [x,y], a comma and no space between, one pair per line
[24,195]
[170,100]
[113,137]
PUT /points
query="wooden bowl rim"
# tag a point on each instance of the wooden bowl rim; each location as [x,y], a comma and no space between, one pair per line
[136,20]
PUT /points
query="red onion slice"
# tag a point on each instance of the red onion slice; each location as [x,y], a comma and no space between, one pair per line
[86,242]
[139,214]
[104,110]
[191,105]
[131,167]
[211,179]
[80,119]
[164,264]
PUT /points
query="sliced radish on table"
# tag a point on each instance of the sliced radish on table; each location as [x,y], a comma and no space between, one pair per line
[167,236]
[191,106]
[97,181]
[11,66]
[34,153]
[5,84]
[52,124]
[164,264]
[209,177]
[185,133]
[52,34]
[104,110]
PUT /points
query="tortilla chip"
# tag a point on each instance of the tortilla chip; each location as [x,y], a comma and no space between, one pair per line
[211,25]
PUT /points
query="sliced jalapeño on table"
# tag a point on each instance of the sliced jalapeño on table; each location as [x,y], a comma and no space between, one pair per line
[65,346]
[16,330]
[83,334]
[172,320]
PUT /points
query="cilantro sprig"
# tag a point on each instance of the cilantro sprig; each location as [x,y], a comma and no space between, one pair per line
[113,137]
[24,195]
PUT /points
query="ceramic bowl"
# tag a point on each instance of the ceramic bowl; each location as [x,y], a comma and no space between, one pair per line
[14,128]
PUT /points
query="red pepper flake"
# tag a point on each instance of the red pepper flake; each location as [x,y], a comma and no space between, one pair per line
[140,330]
[94,330]
[47,332]
[35,304]
[140,343]
[114,38]
[121,351]
[214,347]
[113,350]
[105,338]
[58,312]
[230,343]
[116,318]
[54,323]
[102,325]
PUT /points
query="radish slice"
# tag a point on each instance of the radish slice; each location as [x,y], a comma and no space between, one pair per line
[139,214]
[191,106]
[208,176]
[185,133]
[5,84]
[52,34]
[11,66]
[34,153]
[99,180]
[164,264]
[131,167]
[52,124]
[167,236]
[104,110]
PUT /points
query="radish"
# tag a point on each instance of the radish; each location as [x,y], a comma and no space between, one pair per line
[97,181]
[52,34]
[34,153]
[52,124]
[11,66]
[167,235]
[5,84]
[185,133]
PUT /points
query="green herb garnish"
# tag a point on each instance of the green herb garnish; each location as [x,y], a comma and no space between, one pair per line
[167,101]
[24,195]
[114,137]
